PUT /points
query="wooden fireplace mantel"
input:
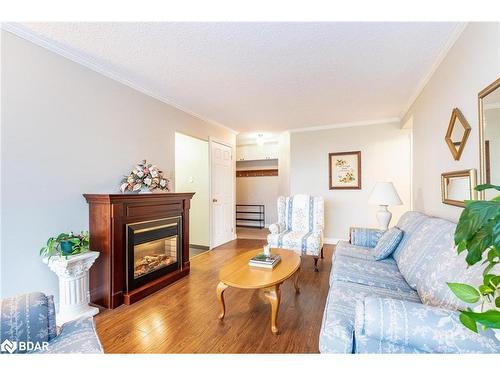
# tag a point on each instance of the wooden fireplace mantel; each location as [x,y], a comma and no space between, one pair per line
[108,216]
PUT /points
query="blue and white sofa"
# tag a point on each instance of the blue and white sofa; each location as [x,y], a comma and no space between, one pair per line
[401,304]
[32,318]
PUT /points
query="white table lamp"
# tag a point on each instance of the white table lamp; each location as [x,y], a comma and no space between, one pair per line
[384,194]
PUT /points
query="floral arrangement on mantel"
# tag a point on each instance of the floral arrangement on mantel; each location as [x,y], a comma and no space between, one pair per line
[144,177]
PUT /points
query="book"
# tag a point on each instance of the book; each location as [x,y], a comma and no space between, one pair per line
[264,261]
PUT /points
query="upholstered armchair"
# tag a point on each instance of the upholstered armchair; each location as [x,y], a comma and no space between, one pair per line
[300,226]
[28,325]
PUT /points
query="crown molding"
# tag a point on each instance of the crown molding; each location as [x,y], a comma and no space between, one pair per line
[389,120]
[79,58]
[439,59]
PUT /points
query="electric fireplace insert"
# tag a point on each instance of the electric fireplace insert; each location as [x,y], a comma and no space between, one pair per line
[153,250]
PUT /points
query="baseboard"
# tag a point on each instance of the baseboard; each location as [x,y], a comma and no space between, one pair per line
[333,241]
[200,247]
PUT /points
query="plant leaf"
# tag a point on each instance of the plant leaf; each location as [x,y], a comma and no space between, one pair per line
[490,318]
[486,289]
[468,322]
[487,186]
[465,292]
[475,215]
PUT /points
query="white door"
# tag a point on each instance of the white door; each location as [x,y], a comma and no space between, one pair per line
[222,193]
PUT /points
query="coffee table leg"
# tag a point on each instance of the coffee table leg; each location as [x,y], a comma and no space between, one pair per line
[296,281]
[273,294]
[221,287]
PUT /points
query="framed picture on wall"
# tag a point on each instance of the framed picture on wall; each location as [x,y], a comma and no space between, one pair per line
[345,170]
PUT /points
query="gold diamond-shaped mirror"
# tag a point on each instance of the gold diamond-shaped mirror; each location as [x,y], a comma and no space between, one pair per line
[457,133]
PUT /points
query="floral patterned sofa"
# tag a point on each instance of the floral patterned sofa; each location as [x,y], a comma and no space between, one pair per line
[31,318]
[300,225]
[401,304]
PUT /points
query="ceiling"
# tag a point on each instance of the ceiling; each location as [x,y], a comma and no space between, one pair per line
[264,76]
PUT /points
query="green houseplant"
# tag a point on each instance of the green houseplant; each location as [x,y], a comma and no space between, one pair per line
[478,233]
[66,244]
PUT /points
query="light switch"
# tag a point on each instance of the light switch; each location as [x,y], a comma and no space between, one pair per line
[191,179]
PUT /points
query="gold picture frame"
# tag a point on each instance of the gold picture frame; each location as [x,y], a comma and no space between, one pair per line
[459,124]
[484,145]
[344,170]
[458,186]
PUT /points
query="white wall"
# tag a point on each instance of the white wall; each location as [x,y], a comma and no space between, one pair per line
[191,175]
[470,65]
[385,156]
[284,164]
[67,130]
[259,190]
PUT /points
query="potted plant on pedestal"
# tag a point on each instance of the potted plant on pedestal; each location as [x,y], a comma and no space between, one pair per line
[66,244]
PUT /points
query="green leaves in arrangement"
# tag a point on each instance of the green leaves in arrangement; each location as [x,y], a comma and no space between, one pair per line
[478,233]
[489,319]
[465,292]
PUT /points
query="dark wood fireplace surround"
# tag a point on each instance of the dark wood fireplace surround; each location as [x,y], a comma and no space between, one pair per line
[108,216]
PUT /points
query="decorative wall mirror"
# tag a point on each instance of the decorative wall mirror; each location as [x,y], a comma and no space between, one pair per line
[458,186]
[457,133]
[489,137]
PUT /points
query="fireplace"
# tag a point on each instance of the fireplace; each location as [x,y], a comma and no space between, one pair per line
[153,250]
[143,240]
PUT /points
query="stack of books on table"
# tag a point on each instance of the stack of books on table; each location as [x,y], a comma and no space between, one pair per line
[265,261]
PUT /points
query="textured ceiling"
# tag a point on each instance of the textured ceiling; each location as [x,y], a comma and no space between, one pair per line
[265,76]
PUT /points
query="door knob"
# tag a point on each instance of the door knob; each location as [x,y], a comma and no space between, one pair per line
[214,200]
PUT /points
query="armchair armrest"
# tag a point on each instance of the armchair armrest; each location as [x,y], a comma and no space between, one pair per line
[426,328]
[77,336]
[366,237]
[276,228]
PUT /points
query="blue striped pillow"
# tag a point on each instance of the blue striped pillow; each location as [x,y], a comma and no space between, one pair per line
[388,243]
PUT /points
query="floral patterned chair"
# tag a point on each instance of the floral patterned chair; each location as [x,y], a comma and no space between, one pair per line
[31,318]
[300,226]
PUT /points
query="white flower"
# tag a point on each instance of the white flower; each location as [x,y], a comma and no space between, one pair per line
[163,182]
[147,181]
[123,187]
[137,187]
[154,172]
[140,173]
[130,179]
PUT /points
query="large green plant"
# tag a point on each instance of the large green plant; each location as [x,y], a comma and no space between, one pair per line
[478,233]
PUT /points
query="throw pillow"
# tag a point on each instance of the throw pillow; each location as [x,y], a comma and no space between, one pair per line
[388,243]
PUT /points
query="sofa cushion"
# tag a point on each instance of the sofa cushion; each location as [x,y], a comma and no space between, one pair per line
[448,266]
[431,238]
[427,328]
[408,223]
[368,272]
[337,329]
[344,248]
[388,243]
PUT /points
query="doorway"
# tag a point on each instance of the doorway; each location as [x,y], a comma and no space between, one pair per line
[192,175]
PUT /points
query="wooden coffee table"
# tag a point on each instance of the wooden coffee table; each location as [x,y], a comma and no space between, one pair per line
[238,274]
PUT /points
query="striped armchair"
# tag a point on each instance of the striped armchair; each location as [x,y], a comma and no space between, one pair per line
[300,226]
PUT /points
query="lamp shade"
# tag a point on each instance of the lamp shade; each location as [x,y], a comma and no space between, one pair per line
[385,194]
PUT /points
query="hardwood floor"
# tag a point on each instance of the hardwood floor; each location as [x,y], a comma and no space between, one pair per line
[182,318]
[251,233]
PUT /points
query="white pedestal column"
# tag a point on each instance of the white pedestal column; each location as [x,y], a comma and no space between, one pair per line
[74,295]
